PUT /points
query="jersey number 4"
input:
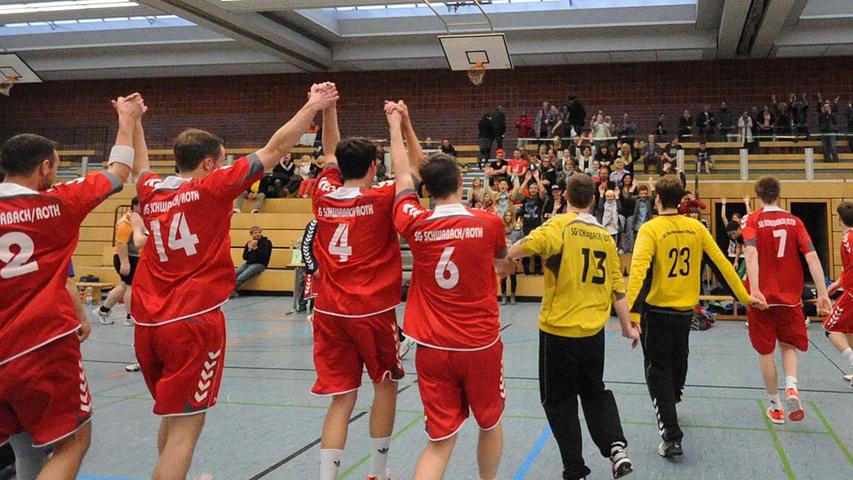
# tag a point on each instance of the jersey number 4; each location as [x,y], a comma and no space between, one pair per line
[340,243]
[180,237]
[17,264]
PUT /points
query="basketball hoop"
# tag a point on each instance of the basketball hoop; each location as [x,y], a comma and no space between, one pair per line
[477,73]
[6,85]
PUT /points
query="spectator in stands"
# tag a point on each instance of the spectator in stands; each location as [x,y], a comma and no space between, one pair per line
[447,147]
[256,254]
[684,123]
[318,163]
[381,171]
[607,213]
[503,198]
[619,172]
[704,162]
[660,131]
[849,114]
[499,123]
[487,136]
[555,204]
[627,128]
[514,233]
[725,120]
[585,158]
[734,249]
[828,128]
[517,165]
[604,156]
[497,168]
[671,168]
[548,169]
[799,110]
[733,230]
[428,144]
[532,198]
[252,193]
[130,237]
[688,201]
[745,127]
[577,115]
[569,169]
[524,125]
[642,212]
[651,155]
[706,122]
[626,154]
[554,122]
[593,168]
[784,117]
[476,192]
[271,186]
[670,153]
[766,122]
[601,132]
[540,124]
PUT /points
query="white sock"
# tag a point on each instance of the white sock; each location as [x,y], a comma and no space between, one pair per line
[775,402]
[330,463]
[791,382]
[848,354]
[379,456]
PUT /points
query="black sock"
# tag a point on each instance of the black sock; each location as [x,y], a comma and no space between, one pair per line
[128,316]
[105,309]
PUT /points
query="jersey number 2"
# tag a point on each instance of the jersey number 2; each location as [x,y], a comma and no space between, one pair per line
[180,237]
[17,264]
[446,272]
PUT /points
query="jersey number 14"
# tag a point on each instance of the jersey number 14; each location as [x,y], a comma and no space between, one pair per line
[180,237]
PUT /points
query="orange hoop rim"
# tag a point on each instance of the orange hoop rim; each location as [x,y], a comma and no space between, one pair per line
[477,73]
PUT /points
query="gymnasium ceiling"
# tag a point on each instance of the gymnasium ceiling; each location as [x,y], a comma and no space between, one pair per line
[88,39]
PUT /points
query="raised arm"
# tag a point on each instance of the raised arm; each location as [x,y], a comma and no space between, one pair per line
[331,133]
[141,162]
[414,151]
[129,110]
[399,159]
[320,97]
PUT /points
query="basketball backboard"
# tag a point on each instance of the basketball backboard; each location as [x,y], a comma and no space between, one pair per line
[464,51]
[11,66]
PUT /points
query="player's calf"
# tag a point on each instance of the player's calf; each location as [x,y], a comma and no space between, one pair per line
[67,456]
[434,459]
[181,438]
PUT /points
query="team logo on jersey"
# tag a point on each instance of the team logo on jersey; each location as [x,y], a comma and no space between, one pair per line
[153,182]
[412,210]
[85,398]
[206,375]
[325,186]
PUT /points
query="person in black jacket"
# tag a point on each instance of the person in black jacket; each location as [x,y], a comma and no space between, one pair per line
[499,124]
[256,253]
[577,114]
[706,122]
[487,136]
[684,123]
[828,128]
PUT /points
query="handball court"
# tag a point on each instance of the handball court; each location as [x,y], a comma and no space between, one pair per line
[267,425]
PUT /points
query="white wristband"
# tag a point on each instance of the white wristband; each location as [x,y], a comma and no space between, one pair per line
[121,154]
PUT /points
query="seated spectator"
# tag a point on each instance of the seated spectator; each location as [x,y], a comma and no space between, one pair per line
[252,193]
[684,123]
[704,162]
[476,192]
[670,153]
[585,158]
[564,155]
[569,169]
[626,155]
[695,213]
[256,254]
[518,164]
[497,168]
[447,147]
[604,156]
[548,170]
[619,172]
[651,155]
[555,204]
[593,168]
[285,169]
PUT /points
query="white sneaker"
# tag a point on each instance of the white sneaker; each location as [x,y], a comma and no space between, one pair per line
[133,367]
[236,210]
[255,210]
[405,346]
[848,379]
[103,317]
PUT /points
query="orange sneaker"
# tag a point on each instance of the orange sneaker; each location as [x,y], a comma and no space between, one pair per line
[776,416]
[795,408]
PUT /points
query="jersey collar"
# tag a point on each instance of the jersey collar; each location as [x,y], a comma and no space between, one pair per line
[450,210]
[586,218]
[13,190]
[772,208]
[172,183]
[345,193]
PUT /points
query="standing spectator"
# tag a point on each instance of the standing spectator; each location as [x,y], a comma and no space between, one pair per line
[600,131]
[554,122]
[849,126]
[533,201]
[627,129]
[735,248]
[585,158]
[540,124]
[800,111]
[447,147]
[607,214]
[577,115]
[503,198]
[517,165]
[548,169]
[766,123]
[660,131]
[513,231]
[487,136]
[744,125]
[726,121]
[784,117]
[643,211]
[499,122]
[704,162]
[497,168]
[605,156]
[684,123]
[256,254]
[651,155]
[828,128]
[555,204]
[626,154]
[285,169]
[706,122]
[524,125]
[619,172]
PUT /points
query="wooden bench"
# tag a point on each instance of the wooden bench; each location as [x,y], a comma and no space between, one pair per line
[96,287]
[724,298]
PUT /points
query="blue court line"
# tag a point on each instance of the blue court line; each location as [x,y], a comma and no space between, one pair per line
[96,477]
[531,457]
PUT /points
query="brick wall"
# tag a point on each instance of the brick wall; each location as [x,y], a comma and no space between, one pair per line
[245,110]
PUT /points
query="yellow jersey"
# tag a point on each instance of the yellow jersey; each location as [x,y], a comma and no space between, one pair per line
[666,267]
[582,274]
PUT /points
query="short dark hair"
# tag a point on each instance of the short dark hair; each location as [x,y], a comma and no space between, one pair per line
[355,156]
[134,202]
[23,153]
[845,212]
[768,189]
[194,145]
[581,191]
[732,226]
[440,175]
[642,188]
[670,191]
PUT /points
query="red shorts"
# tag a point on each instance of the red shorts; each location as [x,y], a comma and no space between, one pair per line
[783,324]
[841,318]
[344,346]
[45,393]
[182,362]
[452,381]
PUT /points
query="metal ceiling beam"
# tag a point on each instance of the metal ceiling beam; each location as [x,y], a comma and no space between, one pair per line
[708,14]
[775,14]
[731,27]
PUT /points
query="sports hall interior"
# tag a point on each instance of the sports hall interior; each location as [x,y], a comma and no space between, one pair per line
[240,68]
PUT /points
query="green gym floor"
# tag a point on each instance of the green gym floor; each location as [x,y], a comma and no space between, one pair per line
[267,424]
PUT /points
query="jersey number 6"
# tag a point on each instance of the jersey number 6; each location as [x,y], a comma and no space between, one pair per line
[446,272]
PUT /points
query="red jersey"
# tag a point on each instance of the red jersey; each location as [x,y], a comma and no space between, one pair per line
[357,250]
[517,167]
[779,238]
[452,301]
[38,235]
[847,261]
[187,269]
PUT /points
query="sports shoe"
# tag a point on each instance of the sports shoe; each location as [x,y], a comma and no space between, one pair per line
[255,210]
[503,299]
[621,465]
[103,317]
[133,367]
[387,476]
[236,210]
[405,346]
[795,408]
[848,378]
[512,299]
[776,415]
[670,449]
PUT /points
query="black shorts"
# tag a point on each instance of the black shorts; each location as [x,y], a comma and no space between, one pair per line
[127,279]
